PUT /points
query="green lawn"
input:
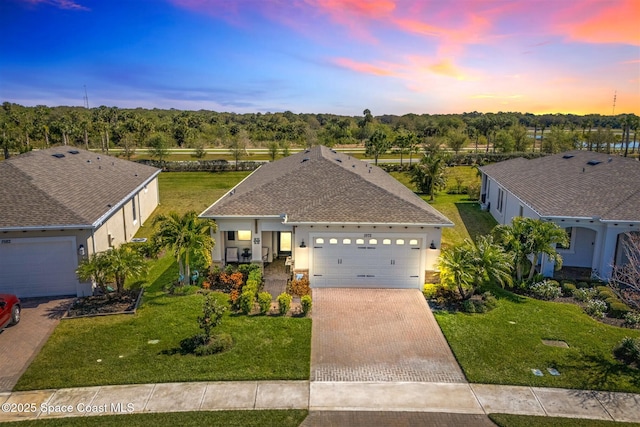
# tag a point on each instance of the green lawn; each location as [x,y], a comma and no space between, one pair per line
[502,346]
[265,348]
[505,420]
[290,418]
[469,220]
[185,191]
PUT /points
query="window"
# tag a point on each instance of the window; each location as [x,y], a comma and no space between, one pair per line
[521,211]
[231,235]
[285,241]
[400,242]
[359,241]
[386,241]
[319,240]
[135,214]
[570,235]
[373,241]
[333,241]
[500,199]
[413,242]
[244,234]
[346,241]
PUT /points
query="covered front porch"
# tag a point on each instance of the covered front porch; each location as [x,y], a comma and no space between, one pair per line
[257,241]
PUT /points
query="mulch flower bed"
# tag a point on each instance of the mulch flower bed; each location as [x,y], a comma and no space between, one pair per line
[104,304]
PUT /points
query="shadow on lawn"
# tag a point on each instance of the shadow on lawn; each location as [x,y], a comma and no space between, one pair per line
[599,372]
[155,289]
[476,221]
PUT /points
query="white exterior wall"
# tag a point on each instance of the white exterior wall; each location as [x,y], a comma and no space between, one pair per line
[264,234]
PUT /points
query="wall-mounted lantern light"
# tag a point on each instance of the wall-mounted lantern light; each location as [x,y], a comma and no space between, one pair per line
[302,245]
[432,245]
[81,251]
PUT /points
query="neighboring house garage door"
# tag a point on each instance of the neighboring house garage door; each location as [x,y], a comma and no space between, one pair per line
[339,261]
[34,267]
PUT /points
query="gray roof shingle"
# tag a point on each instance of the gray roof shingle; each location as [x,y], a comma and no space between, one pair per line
[40,190]
[570,187]
[321,185]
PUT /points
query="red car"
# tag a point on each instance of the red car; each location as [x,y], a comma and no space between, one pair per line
[9,310]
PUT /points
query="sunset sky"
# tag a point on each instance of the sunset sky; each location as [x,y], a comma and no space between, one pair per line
[324,56]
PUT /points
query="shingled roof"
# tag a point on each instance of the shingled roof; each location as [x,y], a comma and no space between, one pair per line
[579,183]
[76,189]
[323,186]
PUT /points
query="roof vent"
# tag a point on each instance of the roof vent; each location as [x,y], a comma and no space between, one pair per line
[338,160]
[593,162]
[307,151]
[58,155]
[353,166]
[568,156]
[610,160]
[334,151]
[73,152]
[306,159]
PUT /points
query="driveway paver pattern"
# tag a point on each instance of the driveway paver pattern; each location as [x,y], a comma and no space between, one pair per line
[20,344]
[378,335]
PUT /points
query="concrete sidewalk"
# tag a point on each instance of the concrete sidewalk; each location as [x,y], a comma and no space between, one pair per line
[452,398]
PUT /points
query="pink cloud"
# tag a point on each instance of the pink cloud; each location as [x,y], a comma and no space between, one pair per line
[363,67]
[601,22]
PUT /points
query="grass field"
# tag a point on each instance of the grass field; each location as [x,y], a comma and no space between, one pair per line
[502,346]
[290,418]
[469,220]
[116,349]
[185,191]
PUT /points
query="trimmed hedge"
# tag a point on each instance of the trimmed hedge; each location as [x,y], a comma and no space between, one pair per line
[200,165]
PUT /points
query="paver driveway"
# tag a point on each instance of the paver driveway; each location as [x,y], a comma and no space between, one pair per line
[20,344]
[378,335]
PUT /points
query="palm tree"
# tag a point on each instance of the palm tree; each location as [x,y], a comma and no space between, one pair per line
[527,238]
[95,269]
[124,262]
[428,175]
[187,235]
[468,266]
[377,144]
[457,269]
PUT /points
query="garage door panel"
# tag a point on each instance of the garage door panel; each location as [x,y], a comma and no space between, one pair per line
[381,262]
[31,267]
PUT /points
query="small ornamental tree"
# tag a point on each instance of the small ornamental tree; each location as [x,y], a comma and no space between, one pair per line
[212,312]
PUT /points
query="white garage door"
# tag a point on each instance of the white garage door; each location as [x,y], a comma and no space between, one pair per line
[34,267]
[347,261]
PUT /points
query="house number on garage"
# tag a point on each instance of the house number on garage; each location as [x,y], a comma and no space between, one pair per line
[256,241]
[367,235]
[5,241]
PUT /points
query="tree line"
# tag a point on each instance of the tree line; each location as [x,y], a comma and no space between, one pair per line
[23,128]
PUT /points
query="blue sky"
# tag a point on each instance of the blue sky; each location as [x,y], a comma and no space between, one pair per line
[331,56]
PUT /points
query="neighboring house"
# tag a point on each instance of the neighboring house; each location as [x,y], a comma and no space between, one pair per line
[343,222]
[594,196]
[60,205]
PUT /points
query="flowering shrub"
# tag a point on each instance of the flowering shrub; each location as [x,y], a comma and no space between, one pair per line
[545,290]
[596,308]
[584,294]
